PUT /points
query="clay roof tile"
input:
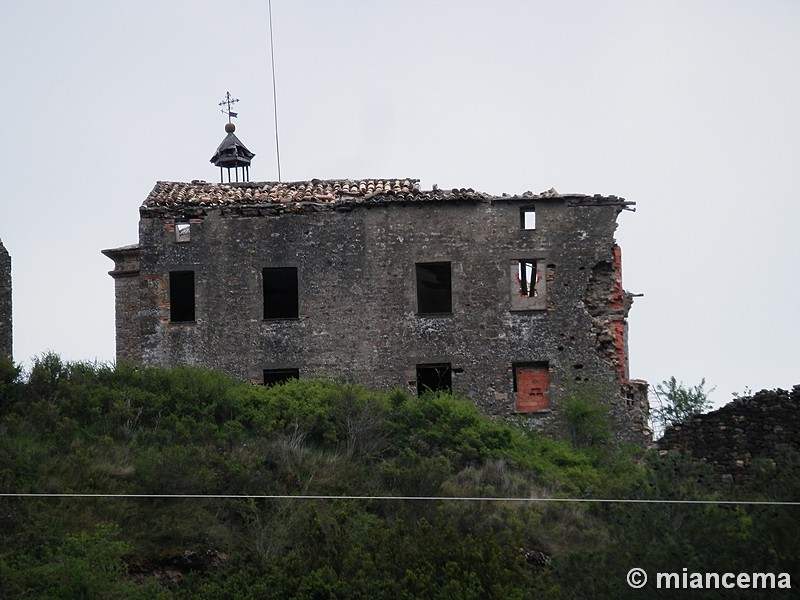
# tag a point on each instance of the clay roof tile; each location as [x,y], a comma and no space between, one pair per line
[332,192]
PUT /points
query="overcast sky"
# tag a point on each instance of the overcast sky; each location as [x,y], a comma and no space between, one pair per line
[690,109]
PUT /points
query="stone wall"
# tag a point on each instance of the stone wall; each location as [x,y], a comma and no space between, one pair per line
[761,426]
[358,299]
[6,339]
[127,303]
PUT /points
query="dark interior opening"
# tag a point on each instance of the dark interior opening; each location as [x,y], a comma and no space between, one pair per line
[181,296]
[280,293]
[434,378]
[278,376]
[434,288]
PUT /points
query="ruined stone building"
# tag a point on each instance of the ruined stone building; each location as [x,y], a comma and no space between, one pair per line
[761,427]
[6,339]
[515,301]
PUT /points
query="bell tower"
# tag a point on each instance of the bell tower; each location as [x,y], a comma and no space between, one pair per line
[232,153]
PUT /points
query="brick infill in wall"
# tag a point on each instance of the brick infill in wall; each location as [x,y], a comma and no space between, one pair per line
[532,390]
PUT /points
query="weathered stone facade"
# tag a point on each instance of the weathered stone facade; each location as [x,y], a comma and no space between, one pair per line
[394,287]
[6,338]
[761,426]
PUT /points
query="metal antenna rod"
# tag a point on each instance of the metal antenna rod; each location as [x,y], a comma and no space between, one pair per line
[274,92]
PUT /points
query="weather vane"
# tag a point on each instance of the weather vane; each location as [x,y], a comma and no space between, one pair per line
[227,103]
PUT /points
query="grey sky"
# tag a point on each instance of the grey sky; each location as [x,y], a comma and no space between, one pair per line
[688,108]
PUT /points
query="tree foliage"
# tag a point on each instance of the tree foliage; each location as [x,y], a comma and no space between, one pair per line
[675,402]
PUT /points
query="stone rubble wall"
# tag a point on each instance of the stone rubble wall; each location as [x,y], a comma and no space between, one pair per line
[6,338]
[761,426]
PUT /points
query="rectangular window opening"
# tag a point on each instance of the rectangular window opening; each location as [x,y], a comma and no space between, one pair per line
[527,217]
[278,376]
[531,387]
[434,378]
[181,296]
[529,286]
[281,297]
[183,232]
[434,288]
[526,275]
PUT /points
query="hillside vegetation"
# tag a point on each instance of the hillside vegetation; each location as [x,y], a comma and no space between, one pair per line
[95,429]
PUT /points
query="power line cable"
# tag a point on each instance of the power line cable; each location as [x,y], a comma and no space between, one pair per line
[274,92]
[404,498]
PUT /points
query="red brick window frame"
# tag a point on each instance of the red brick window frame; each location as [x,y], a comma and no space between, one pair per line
[531,387]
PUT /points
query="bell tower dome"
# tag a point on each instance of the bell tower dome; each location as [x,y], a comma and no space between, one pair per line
[232,153]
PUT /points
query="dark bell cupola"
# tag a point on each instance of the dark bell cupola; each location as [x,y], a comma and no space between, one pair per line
[232,153]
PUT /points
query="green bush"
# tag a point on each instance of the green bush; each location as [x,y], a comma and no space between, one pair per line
[86,427]
[587,419]
[85,565]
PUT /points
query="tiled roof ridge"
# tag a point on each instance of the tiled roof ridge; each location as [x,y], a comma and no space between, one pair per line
[200,193]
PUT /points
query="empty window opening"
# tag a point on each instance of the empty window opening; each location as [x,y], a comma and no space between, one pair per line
[278,376]
[526,275]
[434,288]
[183,232]
[434,378]
[181,296]
[531,387]
[527,217]
[530,289]
[280,293]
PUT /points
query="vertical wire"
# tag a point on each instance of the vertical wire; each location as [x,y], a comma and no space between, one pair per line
[274,92]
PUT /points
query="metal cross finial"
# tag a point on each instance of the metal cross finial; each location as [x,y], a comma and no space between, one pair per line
[228,102]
